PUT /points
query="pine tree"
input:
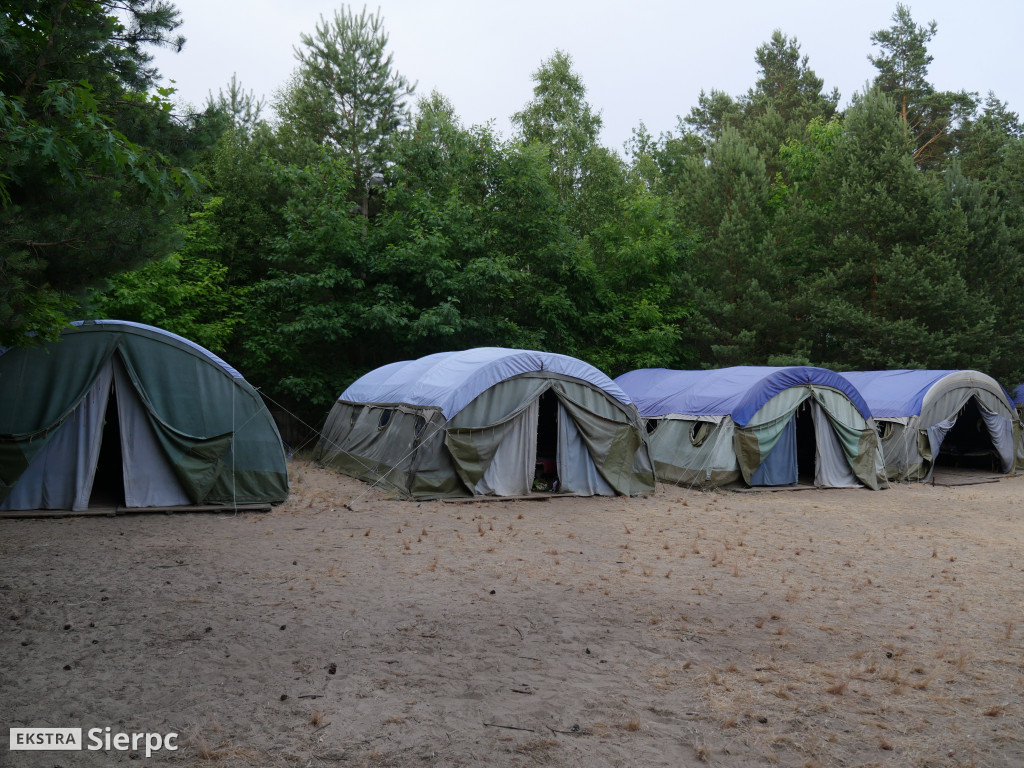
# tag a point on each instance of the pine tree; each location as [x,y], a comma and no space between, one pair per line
[933,117]
[883,285]
[92,164]
[345,94]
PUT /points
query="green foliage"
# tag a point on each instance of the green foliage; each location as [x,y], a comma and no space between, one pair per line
[346,94]
[887,261]
[306,317]
[239,108]
[87,186]
[768,228]
[436,236]
[186,293]
[933,117]
[640,255]
[559,120]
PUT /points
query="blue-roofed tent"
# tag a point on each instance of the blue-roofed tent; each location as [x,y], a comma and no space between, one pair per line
[966,416]
[757,425]
[134,415]
[479,421]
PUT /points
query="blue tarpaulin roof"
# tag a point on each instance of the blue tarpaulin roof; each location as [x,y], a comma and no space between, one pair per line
[452,380]
[901,393]
[737,392]
[895,394]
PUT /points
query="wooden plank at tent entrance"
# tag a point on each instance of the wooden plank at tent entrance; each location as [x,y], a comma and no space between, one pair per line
[784,488]
[529,497]
[951,477]
[956,483]
[201,508]
[15,514]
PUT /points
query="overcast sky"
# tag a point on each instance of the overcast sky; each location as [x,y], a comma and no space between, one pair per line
[643,61]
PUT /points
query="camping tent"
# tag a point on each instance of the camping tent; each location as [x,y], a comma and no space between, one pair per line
[488,421]
[761,426]
[965,415]
[1018,404]
[130,415]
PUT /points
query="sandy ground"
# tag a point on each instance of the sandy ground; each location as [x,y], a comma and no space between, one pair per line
[812,628]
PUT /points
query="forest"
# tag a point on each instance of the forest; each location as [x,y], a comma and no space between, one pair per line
[352,222]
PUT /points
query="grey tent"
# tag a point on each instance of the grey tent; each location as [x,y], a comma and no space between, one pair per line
[965,416]
[756,426]
[1018,404]
[124,414]
[488,421]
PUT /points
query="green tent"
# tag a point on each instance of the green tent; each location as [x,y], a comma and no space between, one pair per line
[119,413]
[489,422]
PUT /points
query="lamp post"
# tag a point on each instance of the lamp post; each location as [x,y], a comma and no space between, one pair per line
[376,180]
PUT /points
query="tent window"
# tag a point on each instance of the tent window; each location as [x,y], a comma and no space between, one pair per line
[699,432]
[884,429]
[385,418]
[652,424]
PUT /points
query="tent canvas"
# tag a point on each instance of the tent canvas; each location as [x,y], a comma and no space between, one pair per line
[185,427]
[1018,404]
[479,421]
[920,413]
[756,425]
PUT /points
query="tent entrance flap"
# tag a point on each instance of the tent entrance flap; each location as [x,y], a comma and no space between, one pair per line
[60,474]
[779,467]
[794,457]
[541,429]
[499,458]
[147,478]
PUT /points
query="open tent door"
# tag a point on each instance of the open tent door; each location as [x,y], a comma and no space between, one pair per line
[108,478]
[975,437]
[111,450]
[794,458]
[545,475]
